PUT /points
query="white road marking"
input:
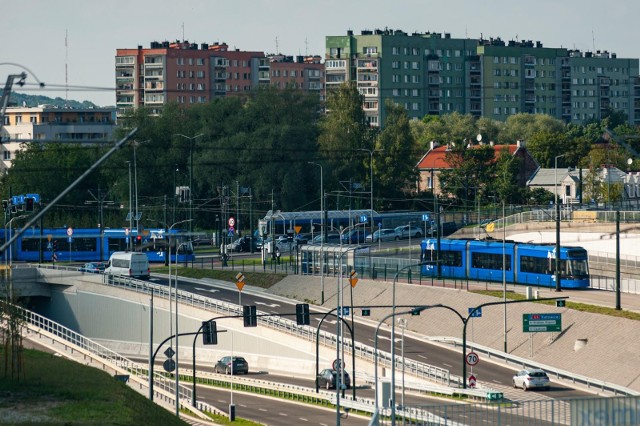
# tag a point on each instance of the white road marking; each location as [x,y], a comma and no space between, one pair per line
[270,305]
[263,409]
[283,414]
[326,321]
[211,290]
[303,419]
[422,356]
[448,365]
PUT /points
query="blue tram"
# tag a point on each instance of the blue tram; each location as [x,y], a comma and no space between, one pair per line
[87,244]
[527,264]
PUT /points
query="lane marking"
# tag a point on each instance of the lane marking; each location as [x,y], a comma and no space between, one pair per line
[269,305]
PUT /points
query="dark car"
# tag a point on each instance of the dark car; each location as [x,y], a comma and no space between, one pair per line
[355,236]
[303,238]
[92,267]
[240,365]
[327,379]
[330,239]
[242,244]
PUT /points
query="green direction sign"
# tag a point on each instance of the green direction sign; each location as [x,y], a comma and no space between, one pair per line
[534,323]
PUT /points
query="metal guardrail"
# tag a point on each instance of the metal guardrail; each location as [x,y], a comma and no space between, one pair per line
[421,370]
[163,386]
[556,372]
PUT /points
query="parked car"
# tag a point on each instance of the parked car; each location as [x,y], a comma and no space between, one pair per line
[93,267]
[240,365]
[242,244]
[381,235]
[327,379]
[355,236]
[332,238]
[406,231]
[303,238]
[530,379]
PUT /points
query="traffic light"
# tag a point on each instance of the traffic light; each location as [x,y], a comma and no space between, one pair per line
[366,312]
[138,240]
[560,303]
[250,317]
[302,314]
[416,311]
[28,202]
[5,205]
[55,245]
[209,333]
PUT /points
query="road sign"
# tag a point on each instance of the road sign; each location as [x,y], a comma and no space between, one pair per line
[353,279]
[69,231]
[477,313]
[425,217]
[338,364]
[472,381]
[472,358]
[169,352]
[490,227]
[298,228]
[169,365]
[126,231]
[345,311]
[240,281]
[232,222]
[534,323]
[363,218]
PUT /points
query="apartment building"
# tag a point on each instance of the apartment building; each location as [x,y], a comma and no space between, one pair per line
[433,73]
[305,73]
[188,73]
[47,123]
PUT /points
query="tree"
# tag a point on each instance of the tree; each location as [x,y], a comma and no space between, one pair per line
[470,171]
[524,126]
[343,130]
[395,167]
[506,187]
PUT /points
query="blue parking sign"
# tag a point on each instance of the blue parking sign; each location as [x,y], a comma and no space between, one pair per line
[425,217]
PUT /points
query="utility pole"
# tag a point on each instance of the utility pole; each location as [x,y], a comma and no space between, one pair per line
[100,200]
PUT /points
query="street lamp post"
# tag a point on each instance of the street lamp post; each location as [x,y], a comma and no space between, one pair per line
[321,227]
[371,151]
[340,301]
[403,325]
[393,339]
[557,257]
[169,258]
[177,332]
[191,141]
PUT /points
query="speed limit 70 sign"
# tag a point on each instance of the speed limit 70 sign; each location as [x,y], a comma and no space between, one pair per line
[472,358]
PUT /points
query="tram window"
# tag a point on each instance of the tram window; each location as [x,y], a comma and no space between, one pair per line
[490,261]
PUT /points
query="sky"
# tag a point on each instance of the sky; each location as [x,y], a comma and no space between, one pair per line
[72,43]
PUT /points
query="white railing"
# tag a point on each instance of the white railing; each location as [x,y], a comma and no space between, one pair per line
[164,386]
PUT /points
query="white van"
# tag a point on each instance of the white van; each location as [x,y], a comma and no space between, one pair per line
[127,263]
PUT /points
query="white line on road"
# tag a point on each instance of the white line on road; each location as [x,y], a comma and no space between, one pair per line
[263,409]
[303,419]
[283,414]
[212,290]
[270,305]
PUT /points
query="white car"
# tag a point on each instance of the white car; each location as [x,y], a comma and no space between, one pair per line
[530,379]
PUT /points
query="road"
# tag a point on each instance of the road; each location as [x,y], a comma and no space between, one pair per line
[495,374]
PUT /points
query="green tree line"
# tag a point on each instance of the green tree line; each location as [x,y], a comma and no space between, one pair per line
[250,155]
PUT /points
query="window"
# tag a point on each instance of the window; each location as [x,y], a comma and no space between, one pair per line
[200,61]
[395,50]
[395,65]
[6,154]
[489,261]
[370,49]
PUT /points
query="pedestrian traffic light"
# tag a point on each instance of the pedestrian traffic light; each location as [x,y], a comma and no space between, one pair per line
[416,311]
[302,314]
[29,204]
[55,245]
[560,303]
[209,333]
[5,205]
[250,317]
[366,312]
[138,240]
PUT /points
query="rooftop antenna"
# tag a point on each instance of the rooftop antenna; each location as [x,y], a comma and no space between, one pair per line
[306,47]
[183,31]
[593,40]
[66,66]
[277,48]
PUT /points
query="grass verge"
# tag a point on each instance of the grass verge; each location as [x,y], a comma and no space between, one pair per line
[583,307]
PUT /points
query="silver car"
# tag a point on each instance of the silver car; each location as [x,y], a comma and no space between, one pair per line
[381,235]
[531,379]
[406,231]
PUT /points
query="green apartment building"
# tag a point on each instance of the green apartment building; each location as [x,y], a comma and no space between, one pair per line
[432,73]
